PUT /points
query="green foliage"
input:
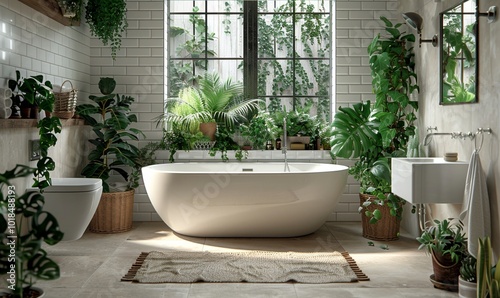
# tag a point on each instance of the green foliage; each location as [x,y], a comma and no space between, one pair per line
[211,101]
[178,139]
[376,132]
[21,246]
[107,20]
[445,237]
[468,268]
[276,34]
[110,119]
[488,277]
[224,142]
[458,49]
[36,92]
[275,39]
[259,130]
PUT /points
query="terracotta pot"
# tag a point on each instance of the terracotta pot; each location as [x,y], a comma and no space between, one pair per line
[386,229]
[114,213]
[208,129]
[445,270]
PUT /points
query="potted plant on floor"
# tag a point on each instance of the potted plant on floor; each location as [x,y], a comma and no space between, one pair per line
[446,242]
[375,133]
[110,118]
[467,280]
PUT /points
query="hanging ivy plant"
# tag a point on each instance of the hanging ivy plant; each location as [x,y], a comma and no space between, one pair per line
[107,20]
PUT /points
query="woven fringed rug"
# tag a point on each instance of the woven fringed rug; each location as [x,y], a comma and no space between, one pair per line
[251,266]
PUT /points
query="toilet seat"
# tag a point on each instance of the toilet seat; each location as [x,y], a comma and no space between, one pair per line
[74,185]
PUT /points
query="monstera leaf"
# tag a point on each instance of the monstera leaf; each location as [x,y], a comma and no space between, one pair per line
[355,131]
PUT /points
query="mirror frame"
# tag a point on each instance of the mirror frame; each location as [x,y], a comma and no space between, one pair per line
[441,51]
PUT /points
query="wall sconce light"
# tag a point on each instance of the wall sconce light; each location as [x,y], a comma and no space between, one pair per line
[491,14]
[415,21]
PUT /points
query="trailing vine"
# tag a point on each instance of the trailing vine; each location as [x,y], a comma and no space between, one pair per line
[107,20]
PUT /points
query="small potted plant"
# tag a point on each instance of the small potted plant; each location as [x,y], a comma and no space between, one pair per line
[259,130]
[110,118]
[467,280]
[107,20]
[446,242]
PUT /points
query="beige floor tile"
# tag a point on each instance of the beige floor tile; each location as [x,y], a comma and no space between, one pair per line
[232,290]
[94,265]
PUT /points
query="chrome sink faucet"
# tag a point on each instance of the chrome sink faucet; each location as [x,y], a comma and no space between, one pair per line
[284,147]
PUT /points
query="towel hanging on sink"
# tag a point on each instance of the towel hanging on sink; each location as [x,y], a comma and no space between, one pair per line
[475,213]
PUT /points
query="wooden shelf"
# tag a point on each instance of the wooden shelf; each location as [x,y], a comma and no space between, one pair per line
[51,9]
[31,123]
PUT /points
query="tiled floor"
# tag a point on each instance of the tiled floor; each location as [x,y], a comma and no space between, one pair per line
[93,265]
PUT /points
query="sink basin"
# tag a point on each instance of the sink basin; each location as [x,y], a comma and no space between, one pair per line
[429,180]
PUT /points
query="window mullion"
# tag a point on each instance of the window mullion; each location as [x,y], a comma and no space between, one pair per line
[250,51]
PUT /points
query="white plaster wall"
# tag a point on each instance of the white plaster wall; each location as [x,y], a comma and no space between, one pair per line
[467,117]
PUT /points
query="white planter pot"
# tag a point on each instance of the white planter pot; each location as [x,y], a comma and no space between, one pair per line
[466,289]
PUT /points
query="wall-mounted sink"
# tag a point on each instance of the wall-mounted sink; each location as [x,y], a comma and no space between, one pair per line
[429,180]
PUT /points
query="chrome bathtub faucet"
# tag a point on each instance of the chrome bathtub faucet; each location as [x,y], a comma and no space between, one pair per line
[284,148]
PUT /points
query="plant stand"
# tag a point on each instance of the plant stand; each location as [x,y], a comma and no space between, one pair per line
[114,213]
[386,229]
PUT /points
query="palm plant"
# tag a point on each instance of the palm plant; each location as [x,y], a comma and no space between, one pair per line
[211,101]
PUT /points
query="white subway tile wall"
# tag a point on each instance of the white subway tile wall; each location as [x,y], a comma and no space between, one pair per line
[35,44]
[42,45]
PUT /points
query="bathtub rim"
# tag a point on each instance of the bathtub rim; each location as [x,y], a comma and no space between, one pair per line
[318,168]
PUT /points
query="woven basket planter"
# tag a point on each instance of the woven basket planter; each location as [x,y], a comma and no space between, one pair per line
[65,102]
[386,229]
[114,213]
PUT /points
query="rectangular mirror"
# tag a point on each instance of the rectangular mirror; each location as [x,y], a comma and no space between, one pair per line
[458,61]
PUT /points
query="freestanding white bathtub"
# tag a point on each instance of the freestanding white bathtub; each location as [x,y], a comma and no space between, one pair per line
[244,199]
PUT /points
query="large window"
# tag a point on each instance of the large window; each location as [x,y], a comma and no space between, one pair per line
[279,49]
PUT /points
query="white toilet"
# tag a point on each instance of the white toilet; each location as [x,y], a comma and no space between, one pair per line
[73,202]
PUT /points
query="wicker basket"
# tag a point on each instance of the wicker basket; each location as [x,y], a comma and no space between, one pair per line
[114,213]
[65,102]
[386,229]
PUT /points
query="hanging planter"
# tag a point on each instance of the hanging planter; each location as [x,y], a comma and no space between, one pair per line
[107,20]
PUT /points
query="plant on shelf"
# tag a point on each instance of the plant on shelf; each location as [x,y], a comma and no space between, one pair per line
[259,130]
[376,132]
[225,142]
[107,20]
[36,92]
[110,118]
[176,139]
[71,9]
[488,276]
[446,242]
[212,101]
